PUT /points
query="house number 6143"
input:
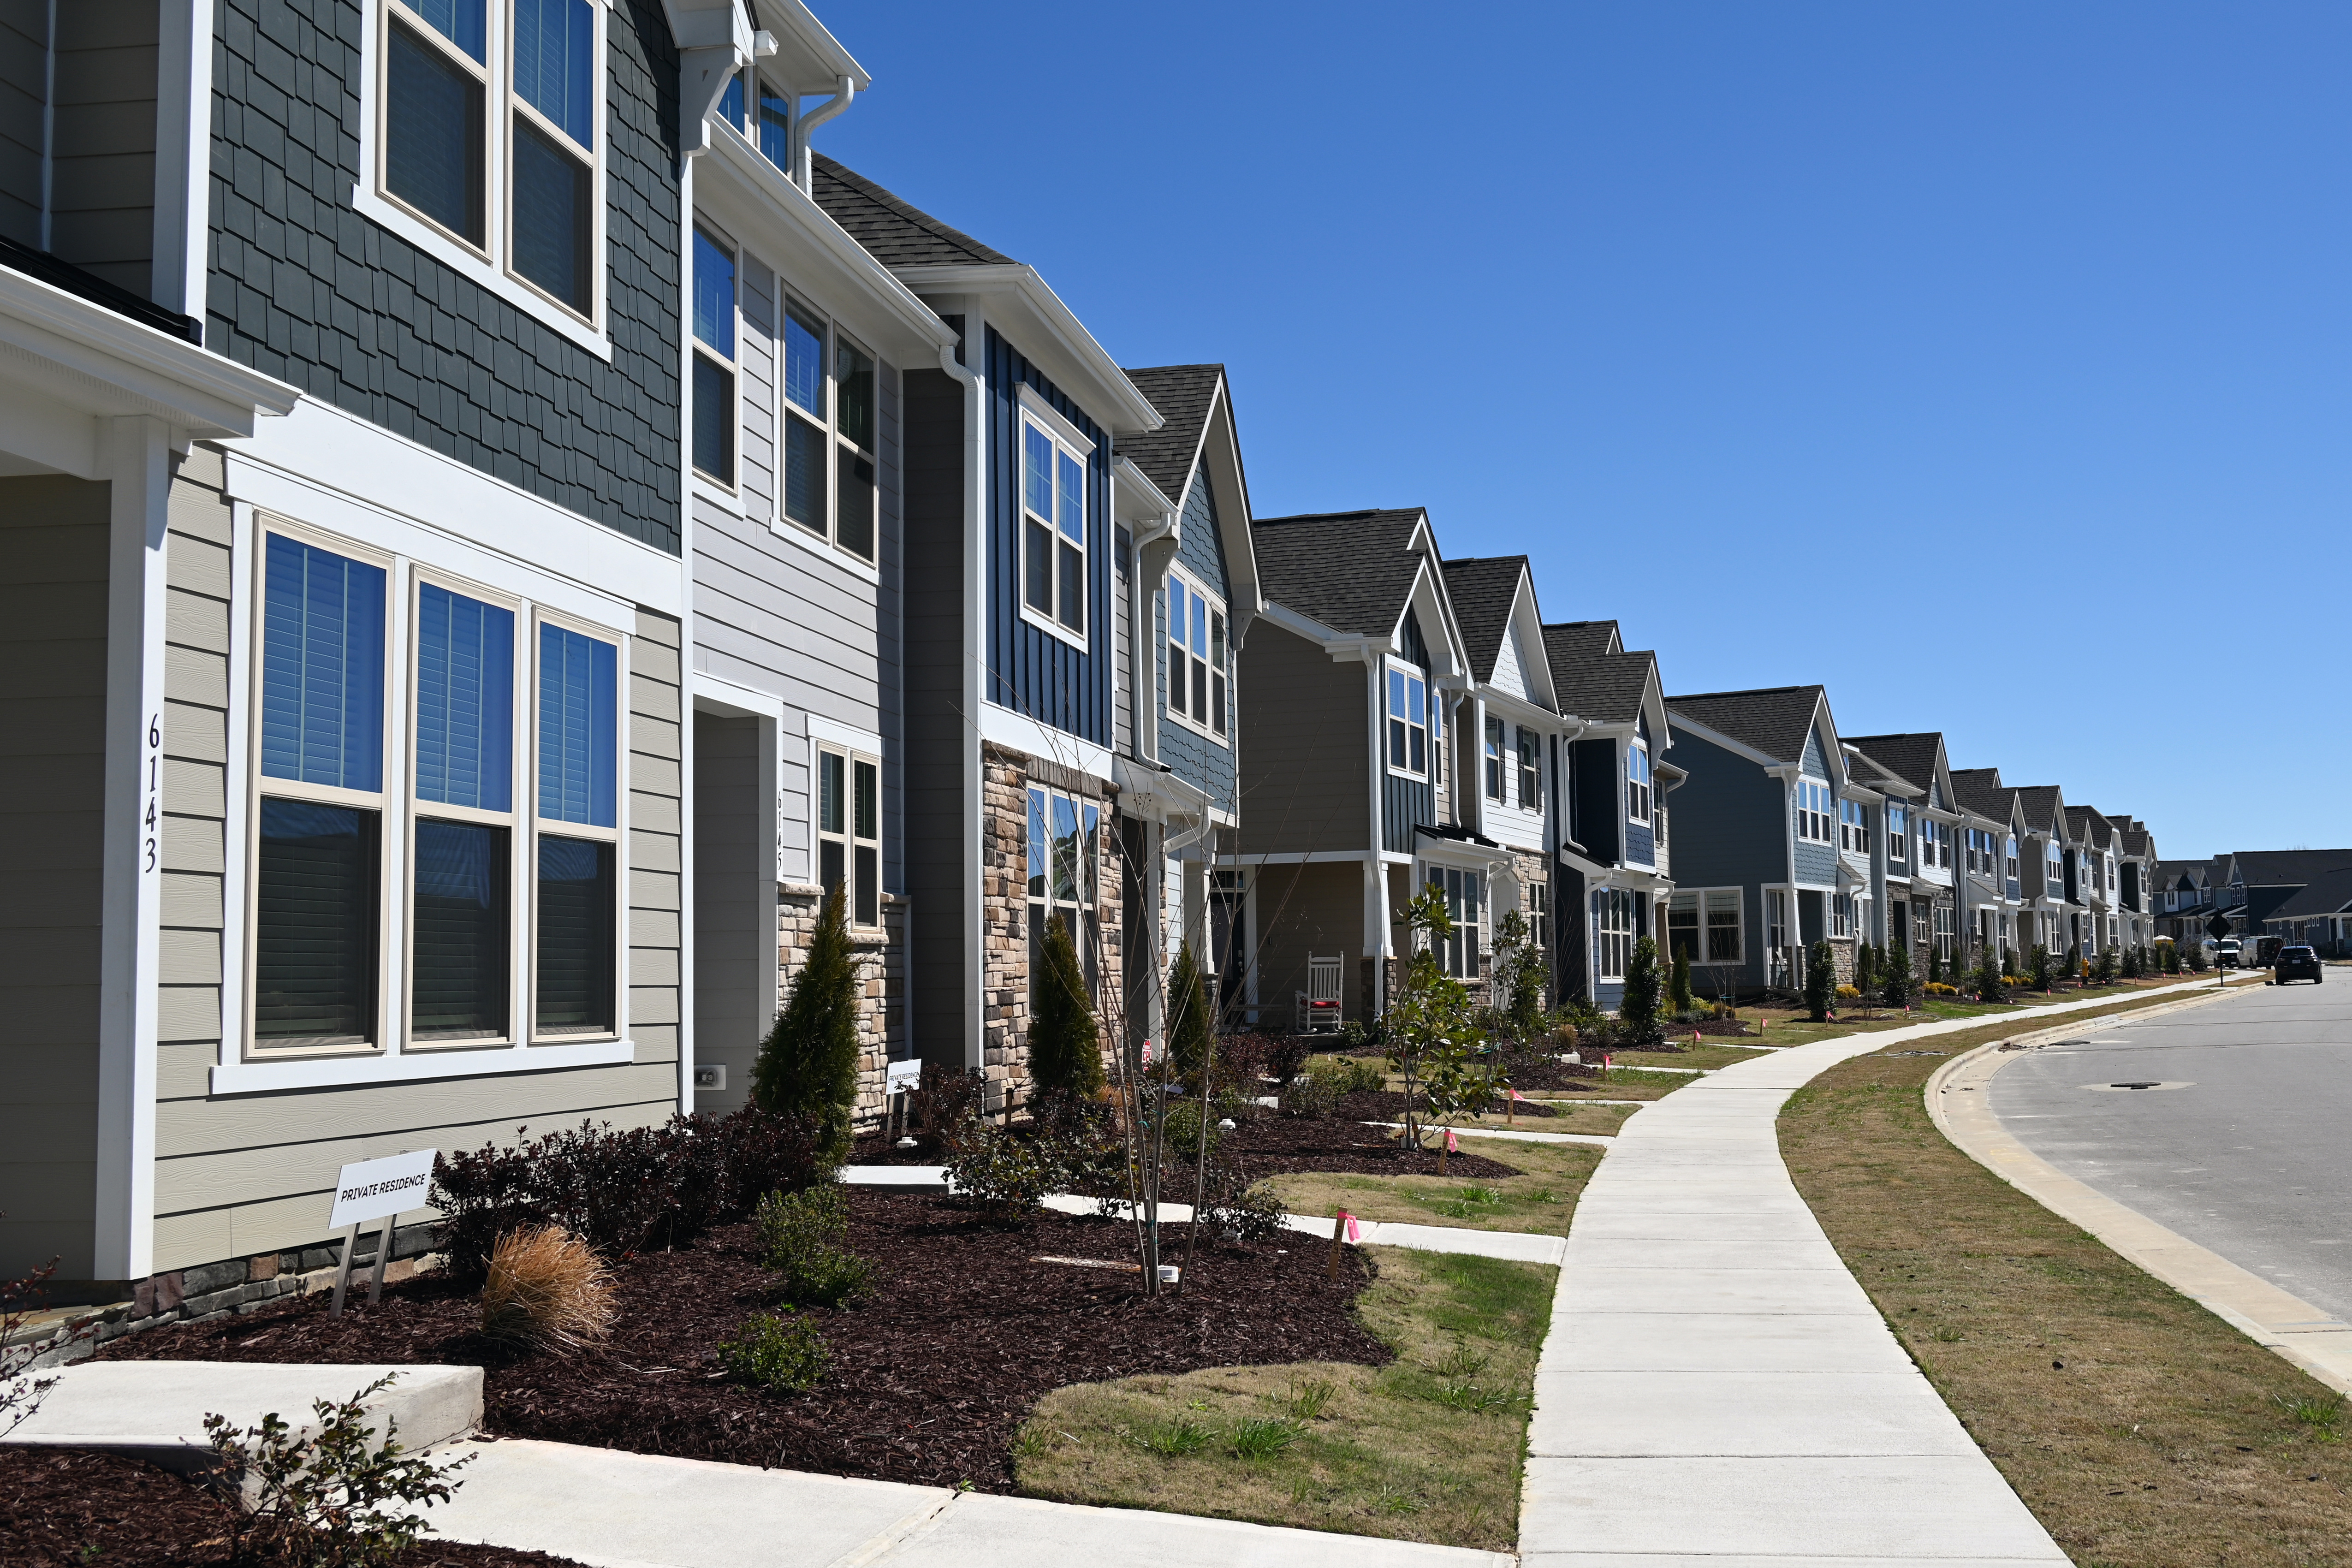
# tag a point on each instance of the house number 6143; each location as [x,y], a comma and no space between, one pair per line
[154,794]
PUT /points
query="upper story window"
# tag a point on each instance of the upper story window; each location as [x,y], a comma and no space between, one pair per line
[1408,719]
[1813,810]
[1898,833]
[2053,872]
[1637,781]
[1531,794]
[1853,826]
[1197,657]
[488,133]
[2111,873]
[1495,785]
[2009,859]
[830,447]
[715,411]
[1053,532]
[849,830]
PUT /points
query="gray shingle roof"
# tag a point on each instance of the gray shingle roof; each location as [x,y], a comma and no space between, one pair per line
[894,232]
[1911,757]
[1482,591]
[2041,804]
[1182,394]
[1772,720]
[1871,773]
[2083,822]
[1352,571]
[1981,790]
[2326,894]
[2286,867]
[1592,677]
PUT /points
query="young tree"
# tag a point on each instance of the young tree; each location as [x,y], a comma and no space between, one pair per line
[1897,981]
[1065,1045]
[2075,969]
[2106,973]
[1821,982]
[1638,1009]
[1431,1025]
[1519,966]
[1678,984]
[808,1064]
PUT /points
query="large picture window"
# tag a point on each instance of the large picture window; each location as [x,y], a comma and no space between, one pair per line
[1065,873]
[1053,532]
[1197,657]
[488,133]
[318,862]
[849,830]
[1408,720]
[575,978]
[1703,924]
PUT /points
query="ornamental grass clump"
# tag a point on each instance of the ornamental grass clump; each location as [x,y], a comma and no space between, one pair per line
[804,1237]
[547,1290]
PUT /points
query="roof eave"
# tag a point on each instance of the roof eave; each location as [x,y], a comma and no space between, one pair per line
[1070,355]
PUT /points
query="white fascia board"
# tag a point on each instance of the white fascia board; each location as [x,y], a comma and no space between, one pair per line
[1344,647]
[1017,731]
[702,24]
[1427,580]
[1135,499]
[784,226]
[1503,705]
[1524,609]
[1455,852]
[77,359]
[1157,794]
[1736,748]
[1220,459]
[334,470]
[795,25]
[1048,333]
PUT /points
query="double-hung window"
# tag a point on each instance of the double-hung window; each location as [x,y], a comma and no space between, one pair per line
[1612,933]
[849,830]
[576,979]
[1840,915]
[1637,781]
[1538,906]
[1464,893]
[1065,873]
[488,133]
[461,932]
[1531,794]
[1723,926]
[1494,764]
[319,859]
[1899,834]
[1683,926]
[1853,826]
[829,440]
[715,411]
[1408,720]
[1813,810]
[2053,872]
[1053,530]
[1197,655]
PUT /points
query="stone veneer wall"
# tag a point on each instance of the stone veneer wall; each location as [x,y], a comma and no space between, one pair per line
[882,976]
[1005,777]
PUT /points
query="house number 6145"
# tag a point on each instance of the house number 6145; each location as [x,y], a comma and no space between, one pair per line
[154,794]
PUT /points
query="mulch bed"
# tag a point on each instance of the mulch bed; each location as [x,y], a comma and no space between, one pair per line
[1551,1073]
[1276,1145]
[67,1508]
[931,1377]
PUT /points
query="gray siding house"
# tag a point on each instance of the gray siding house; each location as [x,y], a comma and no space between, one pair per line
[345,538]
[1918,827]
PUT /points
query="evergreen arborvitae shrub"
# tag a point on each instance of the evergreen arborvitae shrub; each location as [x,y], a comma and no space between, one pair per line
[808,1064]
[1639,1007]
[1896,981]
[1678,985]
[1865,968]
[1190,1031]
[2039,972]
[1989,985]
[2074,963]
[1935,965]
[1065,1045]
[1821,982]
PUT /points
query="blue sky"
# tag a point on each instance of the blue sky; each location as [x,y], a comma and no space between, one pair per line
[1989,364]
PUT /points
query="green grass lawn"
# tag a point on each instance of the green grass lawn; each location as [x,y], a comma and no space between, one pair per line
[1539,1200]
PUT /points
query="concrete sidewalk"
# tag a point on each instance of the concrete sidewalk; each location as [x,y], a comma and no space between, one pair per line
[1718,1387]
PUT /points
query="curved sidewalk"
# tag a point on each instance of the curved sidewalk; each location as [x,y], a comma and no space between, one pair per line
[1717,1387]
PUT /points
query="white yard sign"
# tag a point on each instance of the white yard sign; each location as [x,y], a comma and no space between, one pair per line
[903,1075]
[378,1189]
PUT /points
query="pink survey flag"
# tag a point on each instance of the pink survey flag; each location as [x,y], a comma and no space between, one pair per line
[1453,1144]
[1354,1233]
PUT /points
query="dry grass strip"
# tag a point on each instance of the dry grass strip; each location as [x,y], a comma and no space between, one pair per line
[2141,1430]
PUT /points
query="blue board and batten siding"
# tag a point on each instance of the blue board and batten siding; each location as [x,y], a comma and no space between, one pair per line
[1193,756]
[1030,669]
[304,288]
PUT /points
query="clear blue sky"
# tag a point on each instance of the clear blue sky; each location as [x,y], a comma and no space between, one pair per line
[1987,364]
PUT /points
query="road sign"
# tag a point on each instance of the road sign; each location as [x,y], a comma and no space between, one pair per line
[2218,927]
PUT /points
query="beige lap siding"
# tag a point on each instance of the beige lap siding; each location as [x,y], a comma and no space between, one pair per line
[252,1176]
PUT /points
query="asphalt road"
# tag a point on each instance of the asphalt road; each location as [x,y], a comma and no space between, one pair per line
[2244,1149]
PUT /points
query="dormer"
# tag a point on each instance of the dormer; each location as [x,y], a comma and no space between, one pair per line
[768,70]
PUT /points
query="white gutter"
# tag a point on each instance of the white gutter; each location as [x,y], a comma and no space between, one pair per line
[844,92]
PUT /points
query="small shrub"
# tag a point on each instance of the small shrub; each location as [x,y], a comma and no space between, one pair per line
[1261,1437]
[547,1290]
[1849,993]
[1005,1176]
[1361,1077]
[804,1236]
[1314,1094]
[1184,1130]
[1235,1208]
[1821,982]
[1678,982]
[1064,1041]
[1637,1008]
[1192,1032]
[333,1499]
[779,1351]
[1938,988]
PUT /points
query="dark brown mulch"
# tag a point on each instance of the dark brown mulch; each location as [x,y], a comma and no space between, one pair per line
[1273,1145]
[68,1507]
[930,1378]
[1387,1105]
[1549,1072]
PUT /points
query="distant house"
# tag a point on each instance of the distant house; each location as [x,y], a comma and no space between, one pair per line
[2319,912]
[1921,823]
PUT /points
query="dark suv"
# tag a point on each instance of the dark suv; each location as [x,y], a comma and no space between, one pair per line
[2297,963]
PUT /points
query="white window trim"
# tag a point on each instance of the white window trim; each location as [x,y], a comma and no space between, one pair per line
[1216,603]
[1497,763]
[1811,816]
[851,754]
[369,199]
[1635,746]
[1533,801]
[1413,672]
[1035,411]
[1899,839]
[1606,938]
[617,835]
[824,544]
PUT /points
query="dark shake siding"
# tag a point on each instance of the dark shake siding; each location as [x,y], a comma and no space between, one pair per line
[304,288]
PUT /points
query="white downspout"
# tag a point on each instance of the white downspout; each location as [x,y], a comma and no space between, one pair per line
[802,155]
[976,521]
[1375,879]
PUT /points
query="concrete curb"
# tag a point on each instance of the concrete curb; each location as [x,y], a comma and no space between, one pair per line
[1959,1103]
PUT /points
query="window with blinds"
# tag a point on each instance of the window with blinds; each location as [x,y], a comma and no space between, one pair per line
[460,926]
[574,979]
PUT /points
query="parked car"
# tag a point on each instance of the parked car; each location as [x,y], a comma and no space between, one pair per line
[2297,963]
[2226,955]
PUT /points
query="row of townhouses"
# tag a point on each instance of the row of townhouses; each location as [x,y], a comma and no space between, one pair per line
[496,526]
[2295,895]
